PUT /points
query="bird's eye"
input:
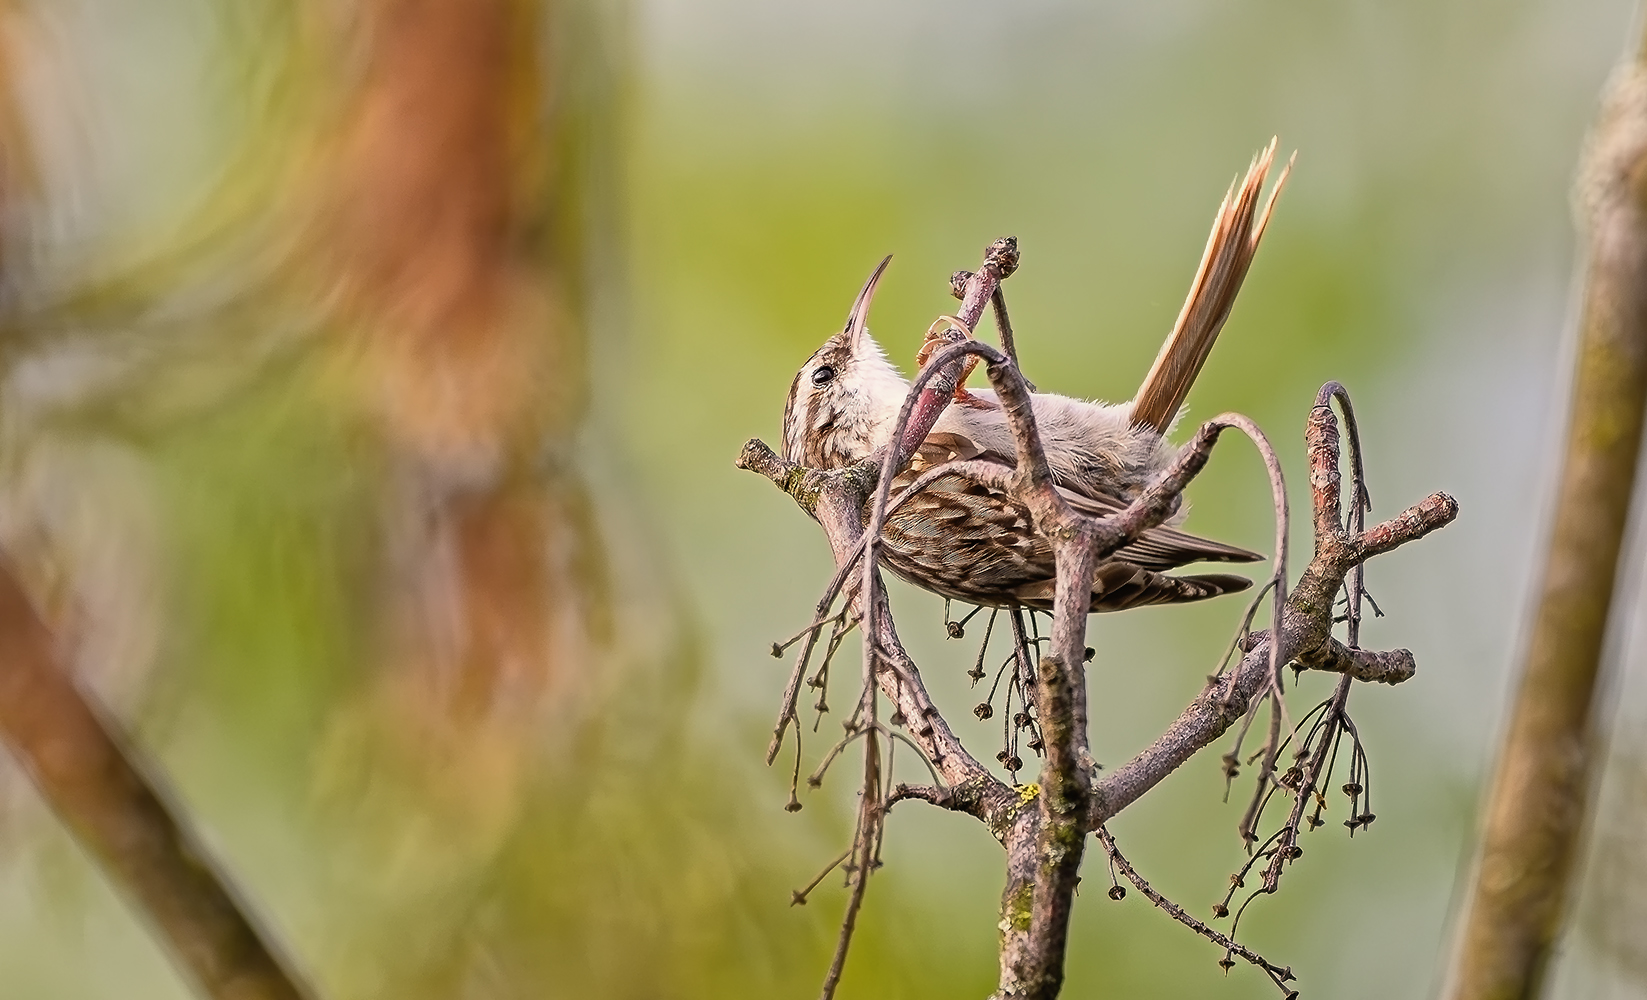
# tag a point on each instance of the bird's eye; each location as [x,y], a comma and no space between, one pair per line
[823,375]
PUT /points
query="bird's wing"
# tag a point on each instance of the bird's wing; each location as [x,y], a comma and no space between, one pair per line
[1120,586]
[1159,548]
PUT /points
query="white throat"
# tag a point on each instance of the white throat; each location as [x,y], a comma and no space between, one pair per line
[881,390]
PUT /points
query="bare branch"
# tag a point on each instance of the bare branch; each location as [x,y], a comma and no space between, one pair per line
[1306,625]
[1278,975]
[1003,322]
[946,371]
[864,844]
[1392,667]
[926,793]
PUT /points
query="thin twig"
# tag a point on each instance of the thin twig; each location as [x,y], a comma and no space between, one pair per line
[797,897]
[863,846]
[1278,974]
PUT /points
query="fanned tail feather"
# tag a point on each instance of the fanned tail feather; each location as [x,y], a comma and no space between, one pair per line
[1229,253]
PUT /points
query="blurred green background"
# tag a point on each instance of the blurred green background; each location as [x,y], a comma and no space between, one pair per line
[460,664]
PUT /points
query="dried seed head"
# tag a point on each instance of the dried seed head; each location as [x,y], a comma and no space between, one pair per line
[1020,719]
[1219,910]
[983,710]
[1352,789]
[777,651]
[1014,763]
[1087,656]
[793,805]
[956,630]
[1117,892]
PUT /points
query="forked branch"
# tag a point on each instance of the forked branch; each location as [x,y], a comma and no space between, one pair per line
[1043,827]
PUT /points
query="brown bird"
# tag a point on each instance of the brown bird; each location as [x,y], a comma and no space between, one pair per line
[961,540]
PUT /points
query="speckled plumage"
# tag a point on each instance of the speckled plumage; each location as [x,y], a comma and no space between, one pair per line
[959,539]
[965,541]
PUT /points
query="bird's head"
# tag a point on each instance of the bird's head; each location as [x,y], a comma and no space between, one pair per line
[845,399]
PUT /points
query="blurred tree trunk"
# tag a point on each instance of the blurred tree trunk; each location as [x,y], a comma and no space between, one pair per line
[462,340]
[423,215]
[1536,808]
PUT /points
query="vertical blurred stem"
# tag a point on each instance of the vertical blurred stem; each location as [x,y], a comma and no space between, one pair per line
[1537,801]
[447,245]
[118,816]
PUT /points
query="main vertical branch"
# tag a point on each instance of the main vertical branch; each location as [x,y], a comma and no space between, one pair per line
[1536,807]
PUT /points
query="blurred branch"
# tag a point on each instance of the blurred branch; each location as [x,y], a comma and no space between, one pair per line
[125,821]
[1536,805]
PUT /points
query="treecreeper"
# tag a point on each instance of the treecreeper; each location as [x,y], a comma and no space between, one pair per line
[1026,501]
[963,540]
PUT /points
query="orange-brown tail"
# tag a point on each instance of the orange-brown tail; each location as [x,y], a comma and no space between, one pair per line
[1230,249]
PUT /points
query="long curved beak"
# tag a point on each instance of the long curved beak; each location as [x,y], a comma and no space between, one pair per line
[858,318]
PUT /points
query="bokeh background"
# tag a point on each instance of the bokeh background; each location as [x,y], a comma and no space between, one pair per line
[372,373]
